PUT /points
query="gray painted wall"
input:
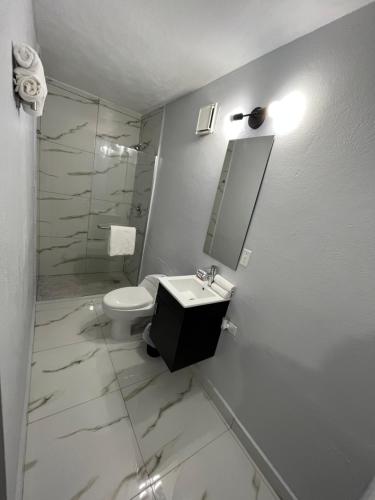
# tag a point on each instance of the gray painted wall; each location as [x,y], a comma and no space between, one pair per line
[18,235]
[300,374]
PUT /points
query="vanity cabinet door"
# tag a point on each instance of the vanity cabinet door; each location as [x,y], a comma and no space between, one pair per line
[166,326]
[184,336]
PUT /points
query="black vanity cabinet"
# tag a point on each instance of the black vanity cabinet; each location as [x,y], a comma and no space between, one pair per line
[184,336]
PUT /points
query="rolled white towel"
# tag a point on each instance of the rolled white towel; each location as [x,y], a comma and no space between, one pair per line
[25,56]
[32,90]
[221,291]
[29,87]
[30,80]
[227,285]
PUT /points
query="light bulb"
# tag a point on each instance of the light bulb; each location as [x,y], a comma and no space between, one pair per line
[287,113]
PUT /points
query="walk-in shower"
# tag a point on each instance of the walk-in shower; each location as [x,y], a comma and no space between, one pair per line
[95,169]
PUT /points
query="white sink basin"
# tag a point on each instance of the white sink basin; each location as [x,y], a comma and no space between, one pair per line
[190,291]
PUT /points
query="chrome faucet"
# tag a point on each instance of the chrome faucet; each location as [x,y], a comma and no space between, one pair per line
[207,275]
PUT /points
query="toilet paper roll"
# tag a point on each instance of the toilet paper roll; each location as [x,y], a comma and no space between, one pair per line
[220,291]
[227,285]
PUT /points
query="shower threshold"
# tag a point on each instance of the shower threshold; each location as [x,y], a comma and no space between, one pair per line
[79,285]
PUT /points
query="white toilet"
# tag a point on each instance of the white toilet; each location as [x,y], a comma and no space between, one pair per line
[126,305]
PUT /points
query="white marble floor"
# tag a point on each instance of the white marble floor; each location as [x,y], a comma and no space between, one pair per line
[106,422]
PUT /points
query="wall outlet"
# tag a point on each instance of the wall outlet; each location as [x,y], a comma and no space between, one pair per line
[244,260]
[229,327]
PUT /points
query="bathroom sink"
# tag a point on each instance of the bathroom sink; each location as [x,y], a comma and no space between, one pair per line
[190,291]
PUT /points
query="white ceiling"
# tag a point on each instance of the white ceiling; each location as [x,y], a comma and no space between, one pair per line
[143,53]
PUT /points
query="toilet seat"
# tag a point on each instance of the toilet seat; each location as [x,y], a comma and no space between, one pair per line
[128,298]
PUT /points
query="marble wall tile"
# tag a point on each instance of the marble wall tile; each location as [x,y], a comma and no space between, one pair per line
[65,170]
[117,127]
[150,131]
[219,471]
[110,179]
[143,173]
[161,412]
[95,233]
[62,255]
[106,213]
[143,180]
[130,174]
[98,260]
[69,375]
[132,262]
[62,215]
[84,155]
[70,119]
[86,452]
[110,209]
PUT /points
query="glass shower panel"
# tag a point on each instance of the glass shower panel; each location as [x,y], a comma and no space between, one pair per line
[112,188]
[141,170]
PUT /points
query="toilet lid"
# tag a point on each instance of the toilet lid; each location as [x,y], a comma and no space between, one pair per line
[130,297]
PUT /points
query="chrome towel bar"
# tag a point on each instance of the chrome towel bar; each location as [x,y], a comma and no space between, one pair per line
[100,226]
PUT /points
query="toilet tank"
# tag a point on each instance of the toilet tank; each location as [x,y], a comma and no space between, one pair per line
[151,283]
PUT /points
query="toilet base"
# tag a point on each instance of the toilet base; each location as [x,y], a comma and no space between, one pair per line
[121,330]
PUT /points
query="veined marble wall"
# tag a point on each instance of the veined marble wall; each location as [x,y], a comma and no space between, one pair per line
[149,136]
[87,176]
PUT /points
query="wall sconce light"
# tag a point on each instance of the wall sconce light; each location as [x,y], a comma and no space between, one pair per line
[286,114]
[256,117]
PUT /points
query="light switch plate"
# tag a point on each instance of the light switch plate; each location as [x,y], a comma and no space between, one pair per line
[244,260]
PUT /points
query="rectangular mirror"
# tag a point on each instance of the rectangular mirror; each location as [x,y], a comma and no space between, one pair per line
[241,178]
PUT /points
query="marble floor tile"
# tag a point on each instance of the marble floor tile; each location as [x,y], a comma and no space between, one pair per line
[64,326]
[221,471]
[69,375]
[115,346]
[83,442]
[161,411]
[132,363]
[86,452]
